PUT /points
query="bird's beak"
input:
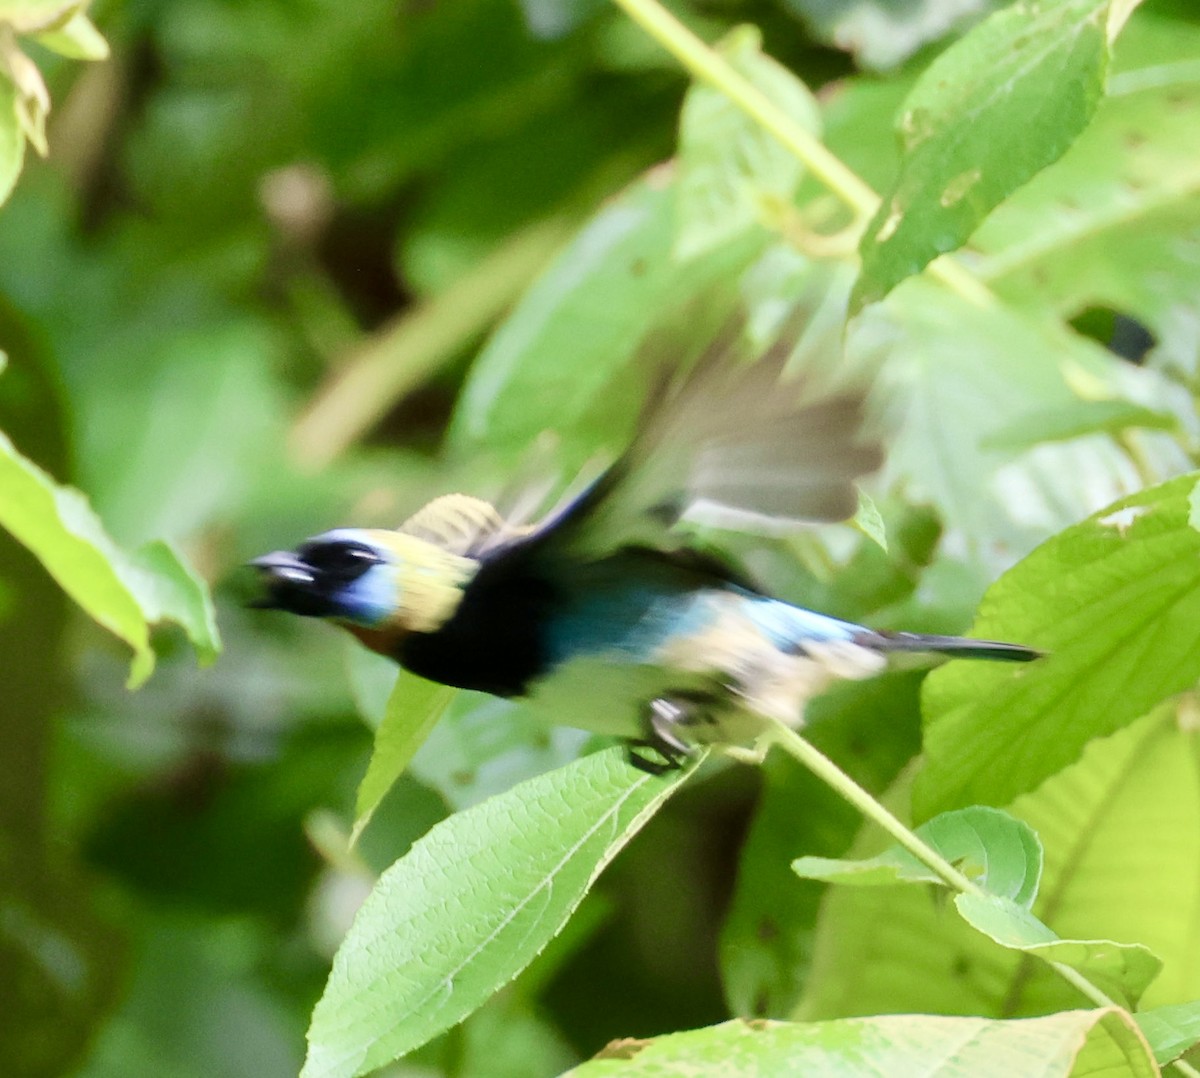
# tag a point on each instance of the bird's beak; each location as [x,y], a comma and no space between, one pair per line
[285,577]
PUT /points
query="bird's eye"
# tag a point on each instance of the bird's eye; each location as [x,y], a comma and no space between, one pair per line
[340,561]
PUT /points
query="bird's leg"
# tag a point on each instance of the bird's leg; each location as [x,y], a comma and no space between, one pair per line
[666,719]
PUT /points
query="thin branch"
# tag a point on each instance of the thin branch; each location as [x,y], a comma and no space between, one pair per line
[409,348]
[705,64]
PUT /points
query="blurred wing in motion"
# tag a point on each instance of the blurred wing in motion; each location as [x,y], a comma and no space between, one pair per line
[733,444]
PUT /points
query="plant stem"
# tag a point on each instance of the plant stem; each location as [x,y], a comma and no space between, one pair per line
[1083,985]
[406,350]
[703,63]
[826,770]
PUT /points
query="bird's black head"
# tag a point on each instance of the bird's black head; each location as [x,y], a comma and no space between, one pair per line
[341,574]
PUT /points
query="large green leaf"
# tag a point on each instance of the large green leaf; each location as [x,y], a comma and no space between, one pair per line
[1171,1030]
[729,167]
[126,594]
[1074,1043]
[1121,831]
[1115,601]
[1116,221]
[555,362]
[987,115]
[470,906]
[959,378]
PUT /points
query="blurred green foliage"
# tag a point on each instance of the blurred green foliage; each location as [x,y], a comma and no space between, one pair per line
[239,302]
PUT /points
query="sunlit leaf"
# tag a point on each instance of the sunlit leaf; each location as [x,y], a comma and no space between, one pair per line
[1171,1030]
[1116,221]
[1115,602]
[959,377]
[869,521]
[1076,1043]
[1122,971]
[989,113]
[127,595]
[1121,831]
[77,38]
[470,906]
[12,139]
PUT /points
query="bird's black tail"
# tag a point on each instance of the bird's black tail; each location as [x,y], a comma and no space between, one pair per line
[960,647]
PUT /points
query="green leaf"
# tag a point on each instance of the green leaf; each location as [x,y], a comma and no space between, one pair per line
[869,521]
[124,594]
[1171,1030]
[12,140]
[32,103]
[471,905]
[1121,831]
[1075,420]
[1122,970]
[1115,602]
[1074,1043]
[1114,221]
[168,589]
[988,846]
[483,745]
[578,328]
[31,16]
[988,114]
[728,165]
[965,374]
[77,38]
[413,709]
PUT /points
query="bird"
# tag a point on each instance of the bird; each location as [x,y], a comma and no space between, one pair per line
[605,614]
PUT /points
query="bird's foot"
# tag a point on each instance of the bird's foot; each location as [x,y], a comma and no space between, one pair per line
[666,720]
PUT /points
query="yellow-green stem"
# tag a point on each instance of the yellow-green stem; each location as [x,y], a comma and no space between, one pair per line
[408,349]
[827,771]
[703,63]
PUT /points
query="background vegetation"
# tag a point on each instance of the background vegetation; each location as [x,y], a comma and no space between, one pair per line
[289,266]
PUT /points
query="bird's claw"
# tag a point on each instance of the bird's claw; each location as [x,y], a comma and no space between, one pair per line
[665,718]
